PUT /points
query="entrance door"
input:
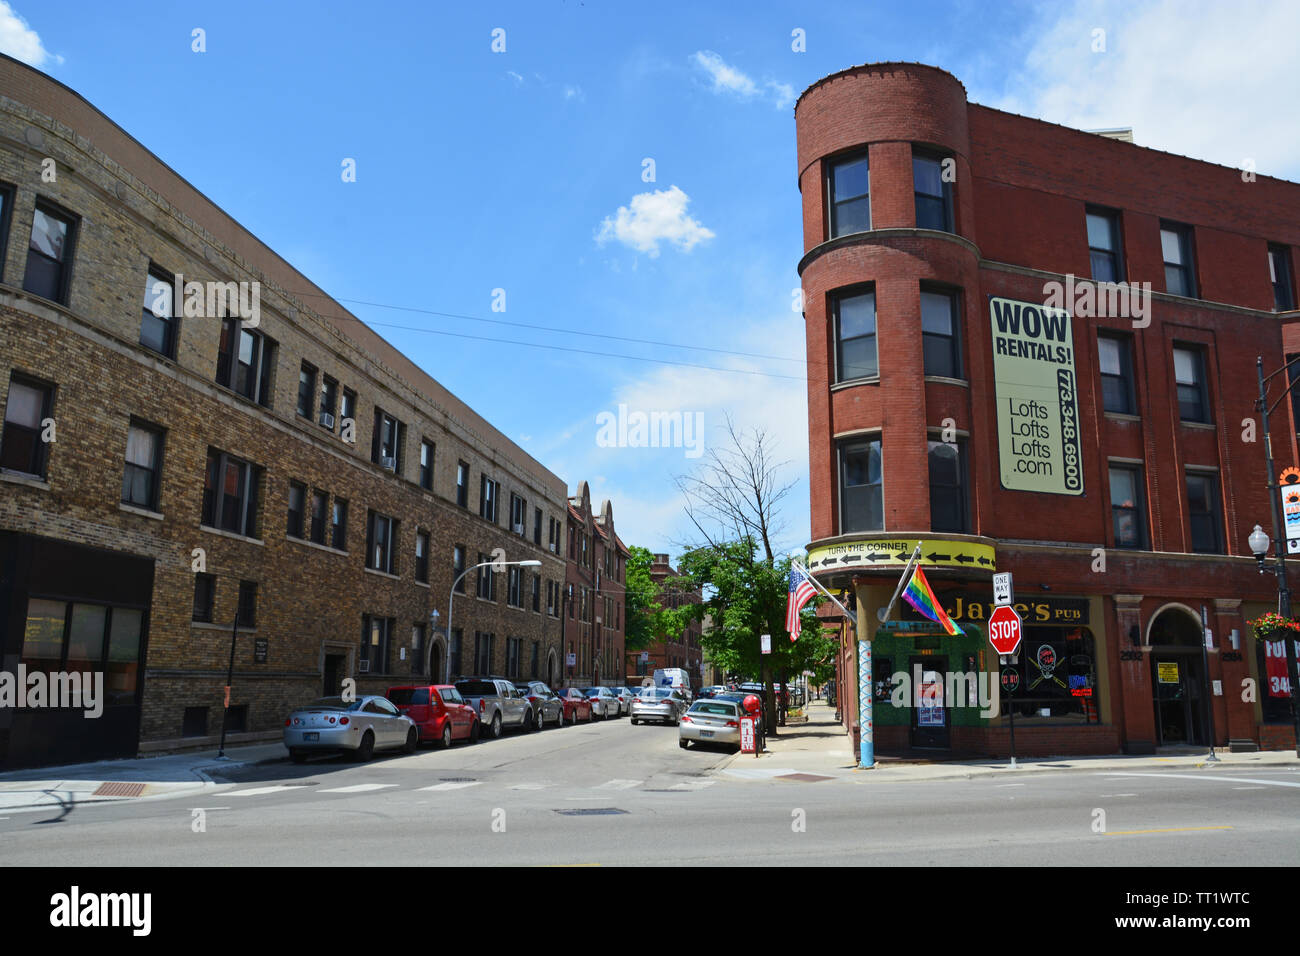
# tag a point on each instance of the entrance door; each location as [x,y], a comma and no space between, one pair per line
[929,713]
[1176,683]
[334,665]
[435,663]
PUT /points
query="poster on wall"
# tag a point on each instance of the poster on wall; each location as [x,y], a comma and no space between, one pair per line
[1275,668]
[1039,446]
[929,704]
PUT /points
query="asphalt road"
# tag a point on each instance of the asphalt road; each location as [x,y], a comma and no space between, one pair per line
[614,794]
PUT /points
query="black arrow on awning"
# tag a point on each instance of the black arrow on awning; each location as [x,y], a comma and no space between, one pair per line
[983,560]
[848,558]
[935,556]
[964,559]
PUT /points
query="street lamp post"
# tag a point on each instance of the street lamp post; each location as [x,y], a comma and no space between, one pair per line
[1259,540]
[496,566]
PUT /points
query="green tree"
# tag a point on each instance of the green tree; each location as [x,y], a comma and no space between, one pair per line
[644,612]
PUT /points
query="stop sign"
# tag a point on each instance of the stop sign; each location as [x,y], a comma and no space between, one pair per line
[1004,630]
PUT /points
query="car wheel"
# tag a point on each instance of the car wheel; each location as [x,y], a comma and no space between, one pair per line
[367,748]
[541,719]
[559,721]
[412,740]
[496,727]
[446,736]
[473,732]
[298,756]
[635,721]
[684,744]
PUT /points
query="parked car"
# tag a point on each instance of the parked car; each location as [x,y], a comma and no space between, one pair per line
[360,726]
[497,703]
[662,704]
[710,691]
[577,706]
[603,702]
[546,705]
[710,721]
[440,713]
[625,697]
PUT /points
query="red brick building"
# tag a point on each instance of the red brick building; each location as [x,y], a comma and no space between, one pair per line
[681,651]
[975,385]
[594,594]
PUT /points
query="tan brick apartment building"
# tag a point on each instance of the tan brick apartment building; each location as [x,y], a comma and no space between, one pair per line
[298,473]
[594,594]
[1120,491]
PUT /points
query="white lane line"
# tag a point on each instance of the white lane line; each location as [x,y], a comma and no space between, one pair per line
[1215,778]
[1001,785]
[619,784]
[360,788]
[693,785]
[1249,788]
[530,786]
[1117,794]
[258,791]
[453,786]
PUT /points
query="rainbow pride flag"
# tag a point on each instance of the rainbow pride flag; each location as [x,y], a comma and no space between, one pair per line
[921,596]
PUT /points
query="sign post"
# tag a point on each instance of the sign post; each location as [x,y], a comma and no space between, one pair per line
[1010,683]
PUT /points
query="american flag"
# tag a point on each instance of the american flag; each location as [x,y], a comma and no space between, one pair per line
[801,592]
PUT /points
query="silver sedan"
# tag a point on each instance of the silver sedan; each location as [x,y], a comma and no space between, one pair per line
[662,704]
[359,726]
[710,722]
[603,702]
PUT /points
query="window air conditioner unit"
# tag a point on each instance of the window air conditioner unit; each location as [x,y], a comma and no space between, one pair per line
[519,529]
[363,667]
[388,462]
[327,419]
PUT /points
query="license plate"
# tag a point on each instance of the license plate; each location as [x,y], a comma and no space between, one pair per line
[706,733]
[311,735]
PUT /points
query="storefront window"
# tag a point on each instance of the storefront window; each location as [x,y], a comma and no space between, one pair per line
[1058,677]
[1275,702]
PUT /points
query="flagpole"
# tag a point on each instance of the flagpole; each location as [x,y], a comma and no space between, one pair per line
[866,685]
[852,616]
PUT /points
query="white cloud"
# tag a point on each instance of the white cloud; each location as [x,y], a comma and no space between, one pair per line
[519,80]
[654,217]
[20,41]
[1193,77]
[574,92]
[728,79]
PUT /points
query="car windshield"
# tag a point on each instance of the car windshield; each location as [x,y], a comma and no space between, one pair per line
[715,707]
[593,691]
[477,688]
[403,696]
[654,693]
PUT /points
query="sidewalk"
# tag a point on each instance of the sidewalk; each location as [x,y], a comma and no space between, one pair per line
[821,748]
[140,778]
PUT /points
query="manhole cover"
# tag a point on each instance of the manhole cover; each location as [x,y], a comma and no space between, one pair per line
[804,777]
[118,789]
[590,811]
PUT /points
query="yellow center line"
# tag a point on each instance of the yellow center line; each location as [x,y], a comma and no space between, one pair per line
[1169,830]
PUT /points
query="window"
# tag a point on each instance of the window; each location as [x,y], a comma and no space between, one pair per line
[6,214]
[247,614]
[387,440]
[939,342]
[426,464]
[422,556]
[1279,274]
[513,645]
[307,390]
[376,634]
[297,508]
[63,636]
[381,541]
[1104,246]
[1189,374]
[534,661]
[569,596]
[537,526]
[1203,509]
[861,501]
[329,396]
[417,648]
[244,361]
[158,320]
[339,525]
[553,535]
[21,446]
[1115,360]
[1127,511]
[550,598]
[205,593]
[49,254]
[848,186]
[194,722]
[318,509]
[455,651]
[855,336]
[514,589]
[518,515]
[348,411]
[484,645]
[1070,697]
[537,592]
[1176,245]
[933,192]
[487,581]
[947,487]
[458,567]
[487,502]
[462,484]
[230,494]
[143,471]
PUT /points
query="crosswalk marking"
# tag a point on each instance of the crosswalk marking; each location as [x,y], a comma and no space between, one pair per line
[360,788]
[258,791]
[619,784]
[693,785]
[453,785]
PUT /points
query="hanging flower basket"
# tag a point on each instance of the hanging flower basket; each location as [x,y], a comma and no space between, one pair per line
[1270,626]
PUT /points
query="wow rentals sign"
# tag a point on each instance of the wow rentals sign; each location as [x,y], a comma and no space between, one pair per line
[1038,409]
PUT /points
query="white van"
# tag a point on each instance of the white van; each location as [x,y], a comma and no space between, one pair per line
[673,677]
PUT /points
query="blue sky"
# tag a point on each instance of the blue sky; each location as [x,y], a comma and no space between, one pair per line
[523,170]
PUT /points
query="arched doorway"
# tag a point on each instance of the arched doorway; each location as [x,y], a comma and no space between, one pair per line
[552,668]
[1178,687]
[435,662]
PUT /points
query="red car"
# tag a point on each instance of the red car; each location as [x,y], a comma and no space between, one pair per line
[577,706]
[439,712]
